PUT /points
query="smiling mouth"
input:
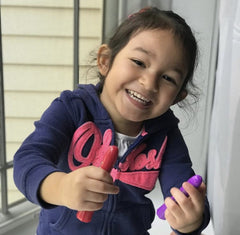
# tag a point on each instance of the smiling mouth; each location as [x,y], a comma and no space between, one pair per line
[138,97]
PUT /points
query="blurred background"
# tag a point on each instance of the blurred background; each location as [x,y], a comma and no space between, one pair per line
[46,47]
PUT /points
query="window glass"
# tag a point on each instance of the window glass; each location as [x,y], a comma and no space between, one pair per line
[38,61]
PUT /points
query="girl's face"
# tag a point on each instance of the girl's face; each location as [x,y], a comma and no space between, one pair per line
[144,80]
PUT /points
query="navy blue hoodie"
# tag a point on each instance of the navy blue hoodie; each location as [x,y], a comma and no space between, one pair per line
[74,132]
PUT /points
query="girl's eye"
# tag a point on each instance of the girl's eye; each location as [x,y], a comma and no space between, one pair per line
[139,63]
[169,79]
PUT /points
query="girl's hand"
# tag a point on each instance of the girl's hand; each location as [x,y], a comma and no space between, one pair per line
[186,214]
[85,189]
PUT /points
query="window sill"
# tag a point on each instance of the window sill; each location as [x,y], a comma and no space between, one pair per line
[18,215]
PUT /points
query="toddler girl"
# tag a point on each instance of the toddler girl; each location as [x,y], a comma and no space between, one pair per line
[145,68]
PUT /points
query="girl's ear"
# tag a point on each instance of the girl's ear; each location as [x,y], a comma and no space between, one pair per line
[103,59]
[181,96]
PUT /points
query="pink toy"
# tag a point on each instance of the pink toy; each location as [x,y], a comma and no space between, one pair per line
[107,164]
[195,180]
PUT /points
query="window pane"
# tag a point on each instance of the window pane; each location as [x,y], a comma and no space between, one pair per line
[37,55]
[37,50]
[38,61]
[13,193]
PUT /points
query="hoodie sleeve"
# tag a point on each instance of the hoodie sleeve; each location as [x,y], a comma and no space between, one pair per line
[40,154]
[177,168]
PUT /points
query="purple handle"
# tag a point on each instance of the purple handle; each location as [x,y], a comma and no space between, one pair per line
[195,180]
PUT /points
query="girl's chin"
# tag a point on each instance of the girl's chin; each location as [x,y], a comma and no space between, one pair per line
[133,117]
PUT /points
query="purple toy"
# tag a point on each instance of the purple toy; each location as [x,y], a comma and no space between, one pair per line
[195,180]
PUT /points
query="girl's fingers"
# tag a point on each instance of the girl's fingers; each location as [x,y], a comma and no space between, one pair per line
[185,213]
[176,205]
[98,174]
[101,187]
[203,189]
[96,197]
[196,197]
[170,211]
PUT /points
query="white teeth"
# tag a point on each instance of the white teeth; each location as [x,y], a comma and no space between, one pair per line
[136,96]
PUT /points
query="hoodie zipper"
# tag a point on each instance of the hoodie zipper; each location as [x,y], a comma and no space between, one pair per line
[138,141]
[111,207]
[112,199]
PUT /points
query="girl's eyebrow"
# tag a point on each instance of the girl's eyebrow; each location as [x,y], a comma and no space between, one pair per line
[143,50]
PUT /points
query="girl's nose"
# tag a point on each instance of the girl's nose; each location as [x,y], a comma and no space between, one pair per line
[149,81]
